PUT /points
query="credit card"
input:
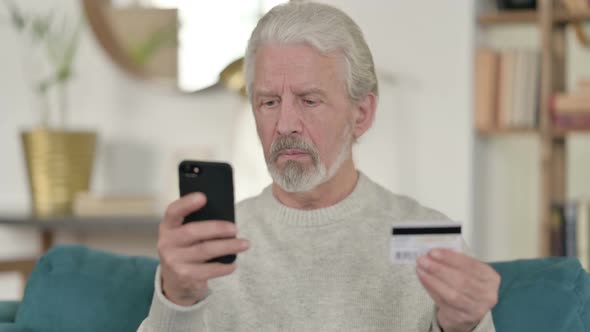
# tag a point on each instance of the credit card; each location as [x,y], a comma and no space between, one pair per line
[412,239]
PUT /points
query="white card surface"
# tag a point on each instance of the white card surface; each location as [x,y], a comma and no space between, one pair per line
[412,239]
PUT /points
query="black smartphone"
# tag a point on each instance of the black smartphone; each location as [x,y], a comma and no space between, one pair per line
[215,180]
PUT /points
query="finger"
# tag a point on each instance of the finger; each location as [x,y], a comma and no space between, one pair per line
[453,278]
[204,272]
[461,262]
[426,282]
[442,294]
[208,250]
[182,207]
[195,232]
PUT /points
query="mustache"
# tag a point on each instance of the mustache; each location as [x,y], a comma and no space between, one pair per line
[291,142]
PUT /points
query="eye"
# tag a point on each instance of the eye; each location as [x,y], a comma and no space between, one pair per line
[310,102]
[270,103]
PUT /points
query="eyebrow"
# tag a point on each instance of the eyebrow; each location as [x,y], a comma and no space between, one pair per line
[310,91]
[303,92]
[264,93]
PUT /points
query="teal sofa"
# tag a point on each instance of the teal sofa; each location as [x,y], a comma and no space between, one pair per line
[73,288]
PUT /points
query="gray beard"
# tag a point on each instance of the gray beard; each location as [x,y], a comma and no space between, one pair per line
[295,177]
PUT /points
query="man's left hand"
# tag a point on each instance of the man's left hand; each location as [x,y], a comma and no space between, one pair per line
[463,288]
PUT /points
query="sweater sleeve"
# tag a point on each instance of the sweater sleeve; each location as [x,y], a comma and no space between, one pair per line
[167,316]
[486,324]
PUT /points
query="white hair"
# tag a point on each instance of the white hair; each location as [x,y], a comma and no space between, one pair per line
[326,29]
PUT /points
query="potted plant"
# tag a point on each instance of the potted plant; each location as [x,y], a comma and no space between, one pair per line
[59,160]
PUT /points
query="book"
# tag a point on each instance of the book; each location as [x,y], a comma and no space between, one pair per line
[506,89]
[567,114]
[534,85]
[486,86]
[570,230]
[518,88]
[527,80]
[571,121]
[576,6]
[575,102]
[557,236]
[571,110]
[570,213]
[583,233]
[518,114]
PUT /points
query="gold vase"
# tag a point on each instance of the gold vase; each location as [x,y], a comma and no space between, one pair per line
[59,164]
[233,77]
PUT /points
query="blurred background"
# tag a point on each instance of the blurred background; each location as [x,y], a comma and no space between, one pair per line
[483,115]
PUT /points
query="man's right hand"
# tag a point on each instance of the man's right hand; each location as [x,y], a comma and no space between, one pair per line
[185,249]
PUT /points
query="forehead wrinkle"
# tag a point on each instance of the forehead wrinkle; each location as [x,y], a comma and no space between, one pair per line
[295,75]
[308,89]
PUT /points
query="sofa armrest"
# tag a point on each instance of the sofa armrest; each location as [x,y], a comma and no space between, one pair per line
[11,327]
[8,311]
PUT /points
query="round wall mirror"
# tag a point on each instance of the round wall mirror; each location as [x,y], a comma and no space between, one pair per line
[193,44]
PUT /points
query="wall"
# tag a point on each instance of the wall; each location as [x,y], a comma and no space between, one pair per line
[421,145]
[424,118]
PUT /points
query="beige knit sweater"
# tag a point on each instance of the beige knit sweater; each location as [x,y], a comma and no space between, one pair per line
[313,270]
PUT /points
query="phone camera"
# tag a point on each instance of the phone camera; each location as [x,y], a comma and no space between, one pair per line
[191,170]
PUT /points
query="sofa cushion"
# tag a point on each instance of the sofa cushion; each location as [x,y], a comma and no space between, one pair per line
[549,294]
[11,327]
[73,288]
[8,311]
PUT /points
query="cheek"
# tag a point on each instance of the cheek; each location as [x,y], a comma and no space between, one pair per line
[326,134]
[265,131]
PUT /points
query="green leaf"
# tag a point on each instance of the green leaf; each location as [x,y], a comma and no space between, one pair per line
[17,18]
[55,46]
[44,85]
[63,74]
[71,49]
[40,26]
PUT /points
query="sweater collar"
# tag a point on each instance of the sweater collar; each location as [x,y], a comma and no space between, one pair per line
[275,211]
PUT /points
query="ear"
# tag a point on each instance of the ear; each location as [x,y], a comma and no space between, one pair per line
[364,114]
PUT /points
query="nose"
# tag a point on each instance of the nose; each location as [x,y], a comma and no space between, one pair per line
[290,121]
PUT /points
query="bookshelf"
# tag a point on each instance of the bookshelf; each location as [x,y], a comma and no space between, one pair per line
[512,17]
[551,21]
[559,17]
[507,131]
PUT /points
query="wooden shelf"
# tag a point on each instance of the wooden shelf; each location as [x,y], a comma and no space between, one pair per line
[564,132]
[529,17]
[147,224]
[507,131]
[564,17]
[557,133]
[511,17]
[48,226]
